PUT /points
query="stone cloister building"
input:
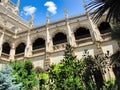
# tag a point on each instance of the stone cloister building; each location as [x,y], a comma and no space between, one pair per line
[45,44]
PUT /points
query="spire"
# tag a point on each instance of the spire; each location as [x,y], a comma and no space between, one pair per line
[71,39]
[66,12]
[17,7]
[49,43]
[31,22]
[47,18]
[28,49]
[18,4]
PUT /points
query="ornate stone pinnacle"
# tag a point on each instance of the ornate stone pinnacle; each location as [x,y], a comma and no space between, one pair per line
[47,18]
[31,22]
[66,12]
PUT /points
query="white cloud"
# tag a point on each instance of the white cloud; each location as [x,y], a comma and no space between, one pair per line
[51,7]
[29,10]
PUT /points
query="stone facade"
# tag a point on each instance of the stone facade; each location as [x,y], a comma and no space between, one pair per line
[45,44]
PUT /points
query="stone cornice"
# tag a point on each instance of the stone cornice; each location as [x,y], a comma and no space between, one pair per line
[57,23]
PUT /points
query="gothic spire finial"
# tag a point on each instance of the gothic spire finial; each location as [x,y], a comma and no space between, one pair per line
[31,22]
[18,3]
[17,6]
[47,18]
[66,12]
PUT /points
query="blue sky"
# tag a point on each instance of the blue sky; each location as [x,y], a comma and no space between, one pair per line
[55,9]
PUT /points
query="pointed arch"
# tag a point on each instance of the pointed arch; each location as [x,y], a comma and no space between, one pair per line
[59,38]
[6,48]
[38,43]
[81,32]
[20,48]
[104,27]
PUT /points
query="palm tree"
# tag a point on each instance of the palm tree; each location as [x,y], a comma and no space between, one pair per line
[116,33]
[102,6]
[116,36]
[115,58]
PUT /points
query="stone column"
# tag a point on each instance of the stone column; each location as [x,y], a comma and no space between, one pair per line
[95,33]
[12,52]
[2,37]
[49,45]
[1,42]
[70,34]
[49,42]
[28,49]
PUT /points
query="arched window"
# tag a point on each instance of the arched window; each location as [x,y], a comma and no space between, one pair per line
[59,38]
[81,33]
[104,27]
[20,48]
[39,43]
[6,48]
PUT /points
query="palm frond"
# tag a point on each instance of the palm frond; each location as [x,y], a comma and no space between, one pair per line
[102,6]
[116,58]
[116,33]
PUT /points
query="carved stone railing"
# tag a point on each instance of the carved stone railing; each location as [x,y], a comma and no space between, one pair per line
[84,41]
[59,47]
[5,56]
[106,36]
[39,51]
[36,52]
[19,56]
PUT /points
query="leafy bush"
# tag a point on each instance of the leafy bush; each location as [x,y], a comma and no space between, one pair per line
[70,74]
[109,85]
[43,81]
[7,80]
[25,74]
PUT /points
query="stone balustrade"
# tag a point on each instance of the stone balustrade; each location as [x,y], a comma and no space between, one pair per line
[40,51]
[59,47]
[106,36]
[19,56]
[84,41]
[5,56]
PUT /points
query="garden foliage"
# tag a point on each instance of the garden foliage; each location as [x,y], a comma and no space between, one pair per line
[7,80]
[70,74]
[24,73]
